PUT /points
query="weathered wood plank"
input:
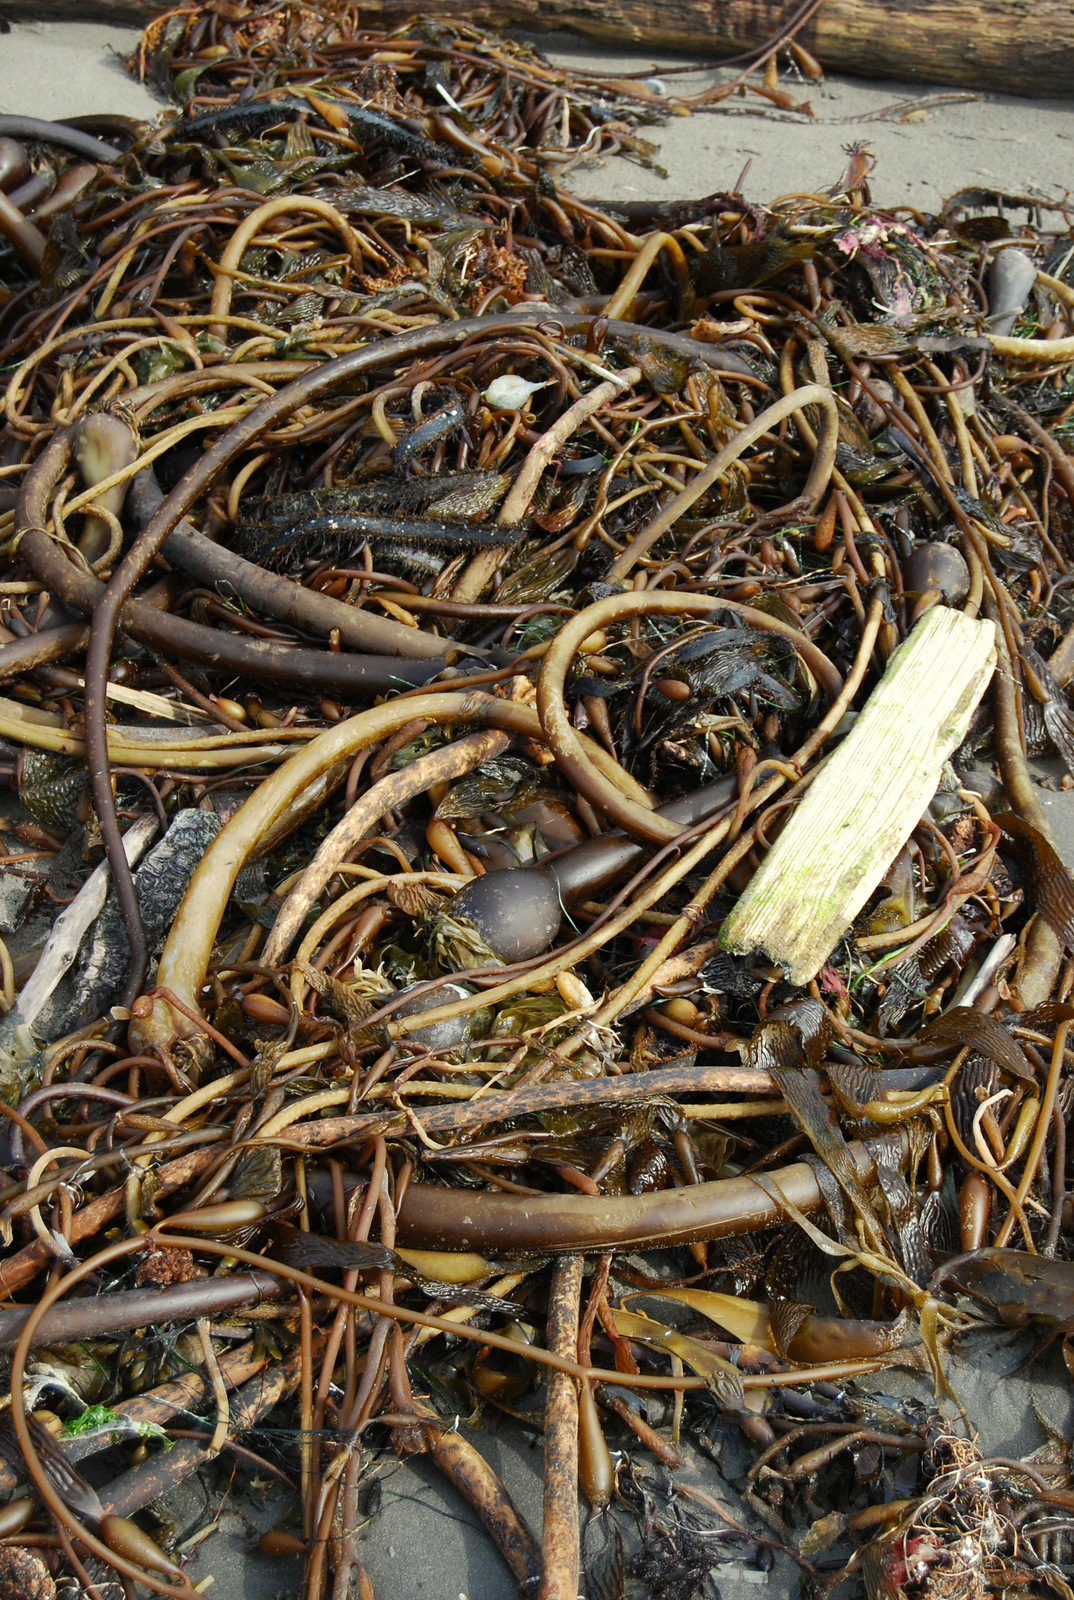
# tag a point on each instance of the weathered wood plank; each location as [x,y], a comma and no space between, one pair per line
[864,804]
[1013,46]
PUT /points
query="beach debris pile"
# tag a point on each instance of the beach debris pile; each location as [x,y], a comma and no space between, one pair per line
[441,618]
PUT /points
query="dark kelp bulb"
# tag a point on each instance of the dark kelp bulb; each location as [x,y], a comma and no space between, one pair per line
[937,566]
[14,163]
[515,910]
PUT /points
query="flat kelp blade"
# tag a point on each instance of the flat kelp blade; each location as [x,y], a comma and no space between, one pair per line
[706,1363]
[746,1320]
[1052,884]
[777,1048]
[962,1027]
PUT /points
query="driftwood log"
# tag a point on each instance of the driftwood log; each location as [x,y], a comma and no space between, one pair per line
[1014,46]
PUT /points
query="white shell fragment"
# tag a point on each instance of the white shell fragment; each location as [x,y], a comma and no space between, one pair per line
[510,392]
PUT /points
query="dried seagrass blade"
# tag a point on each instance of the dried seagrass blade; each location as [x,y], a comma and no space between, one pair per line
[865,802]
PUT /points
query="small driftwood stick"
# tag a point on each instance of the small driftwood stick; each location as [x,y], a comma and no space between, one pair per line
[560,1551]
[632,1088]
[91,1218]
[679,1078]
[73,923]
[395,788]
[866,801]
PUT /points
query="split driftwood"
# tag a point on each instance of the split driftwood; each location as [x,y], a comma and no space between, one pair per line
[1011,46]
[866,801]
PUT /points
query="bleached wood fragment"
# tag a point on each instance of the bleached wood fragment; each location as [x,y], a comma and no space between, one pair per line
[864,804]
[71,925]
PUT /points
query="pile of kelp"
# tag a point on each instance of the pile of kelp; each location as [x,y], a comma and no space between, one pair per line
[425,595]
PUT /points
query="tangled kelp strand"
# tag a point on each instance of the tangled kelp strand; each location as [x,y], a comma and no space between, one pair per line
[484,574]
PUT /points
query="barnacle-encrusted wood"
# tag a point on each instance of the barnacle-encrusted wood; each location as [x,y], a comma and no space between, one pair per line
[862,806]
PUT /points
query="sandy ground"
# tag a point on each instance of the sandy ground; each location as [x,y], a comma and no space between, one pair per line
[423,1542]
[69,69]
[928,141]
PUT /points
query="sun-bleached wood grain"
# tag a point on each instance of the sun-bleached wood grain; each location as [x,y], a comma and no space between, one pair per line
[864,804]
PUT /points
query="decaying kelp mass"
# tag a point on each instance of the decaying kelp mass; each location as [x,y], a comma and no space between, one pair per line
[428,601]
